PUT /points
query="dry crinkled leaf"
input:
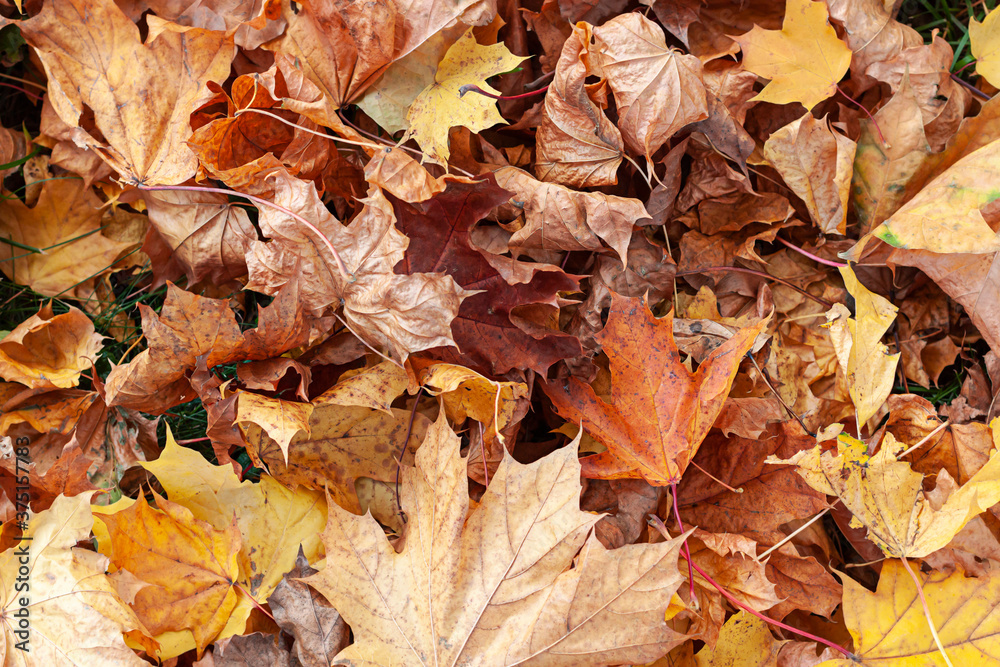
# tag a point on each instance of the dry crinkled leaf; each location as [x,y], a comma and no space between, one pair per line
[745,641]
[558,218]
[65,223]
[76,617]
[945,217]
[501,587]
[660,411]
[816,163]
[342,47]
[190,326]
[804,60]
[404,313]
[191,565]
[888,499]
[577,145]
[445,103]
[206,235]
[49,350]
[984,41]
[889,626]
[872,33]
[319,631]
[871,370]
[658,90]
[140,95]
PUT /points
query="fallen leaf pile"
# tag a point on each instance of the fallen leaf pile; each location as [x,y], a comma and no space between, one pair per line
[540,332]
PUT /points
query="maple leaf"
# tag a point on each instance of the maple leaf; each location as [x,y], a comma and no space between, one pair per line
[659,411]
[887,497]
[404,312]
[282,420]
[889,626]
[883,170]
[387,100]
[559,218]
[983,42]
[658,90]
[816,163]
[48,350]
[870,368]
[742,636]
[190,326]
[945,217]
[191,565]
[342,47]
[445,103]
[65,222]
[320,633]
[77,617]
[487,329]
[804,60]
[577,144]
[523,603]
[139,95]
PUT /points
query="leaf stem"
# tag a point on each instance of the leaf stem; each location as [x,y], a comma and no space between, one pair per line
[406,442]
[687,549]
[927,611]
[472,88]
[975,91]
[867,113]
[811,256]
[344,273]
[739,269]
[658,524]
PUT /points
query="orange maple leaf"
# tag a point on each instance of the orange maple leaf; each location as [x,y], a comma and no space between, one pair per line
[660,411]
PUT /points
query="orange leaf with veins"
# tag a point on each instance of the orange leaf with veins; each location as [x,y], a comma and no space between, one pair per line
[660,411]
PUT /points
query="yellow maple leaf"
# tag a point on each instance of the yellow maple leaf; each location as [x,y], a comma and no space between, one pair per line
[743,640]
[886,496]
[75,613]
[870,368]
[889,627]
[984,40]
[442,106]
[804,60]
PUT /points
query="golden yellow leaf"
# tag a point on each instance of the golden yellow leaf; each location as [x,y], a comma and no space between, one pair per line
[945,217]
[273,520]
[744,641]
[280,418]
[66,223]
[496,585]
[74,614]
[804,60]
[376,388]
[886,496]
[858,342]
[442,105]
[984,40]
[49,350]
[191,565]
[890,630]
